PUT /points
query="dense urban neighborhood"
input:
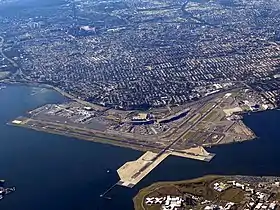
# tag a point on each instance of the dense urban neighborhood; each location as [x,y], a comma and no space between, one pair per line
[164,77]
[141,54]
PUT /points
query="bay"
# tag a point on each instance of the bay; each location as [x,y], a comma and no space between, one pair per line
[56,172]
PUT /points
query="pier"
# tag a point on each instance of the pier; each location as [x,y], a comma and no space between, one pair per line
[103,195]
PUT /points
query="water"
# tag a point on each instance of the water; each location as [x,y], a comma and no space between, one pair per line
[56,172]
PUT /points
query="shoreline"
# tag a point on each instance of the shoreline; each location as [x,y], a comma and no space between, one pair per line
[93,138]
[51,87]
[74,98]
[106,138]
[207,183]
[130,173]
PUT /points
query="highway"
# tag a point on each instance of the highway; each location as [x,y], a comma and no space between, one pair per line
[3,55]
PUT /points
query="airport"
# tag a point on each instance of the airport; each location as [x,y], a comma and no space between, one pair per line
[185,131]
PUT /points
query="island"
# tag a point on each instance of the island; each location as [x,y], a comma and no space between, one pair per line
[212,192]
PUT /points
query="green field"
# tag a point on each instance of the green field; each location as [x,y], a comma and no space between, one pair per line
[202,187]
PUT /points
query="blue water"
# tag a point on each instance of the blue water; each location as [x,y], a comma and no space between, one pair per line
[57,172]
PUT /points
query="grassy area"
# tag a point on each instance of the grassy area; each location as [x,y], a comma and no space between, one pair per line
[189,135]
[202,187]
[195,118]
[210,116]
[235,195]
[179,187]
[206,107]
[277,197]
[139,199]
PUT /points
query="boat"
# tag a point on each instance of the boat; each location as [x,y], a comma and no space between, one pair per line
[2,87]
[5,191]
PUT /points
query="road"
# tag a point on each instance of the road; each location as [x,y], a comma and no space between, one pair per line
[3,55]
